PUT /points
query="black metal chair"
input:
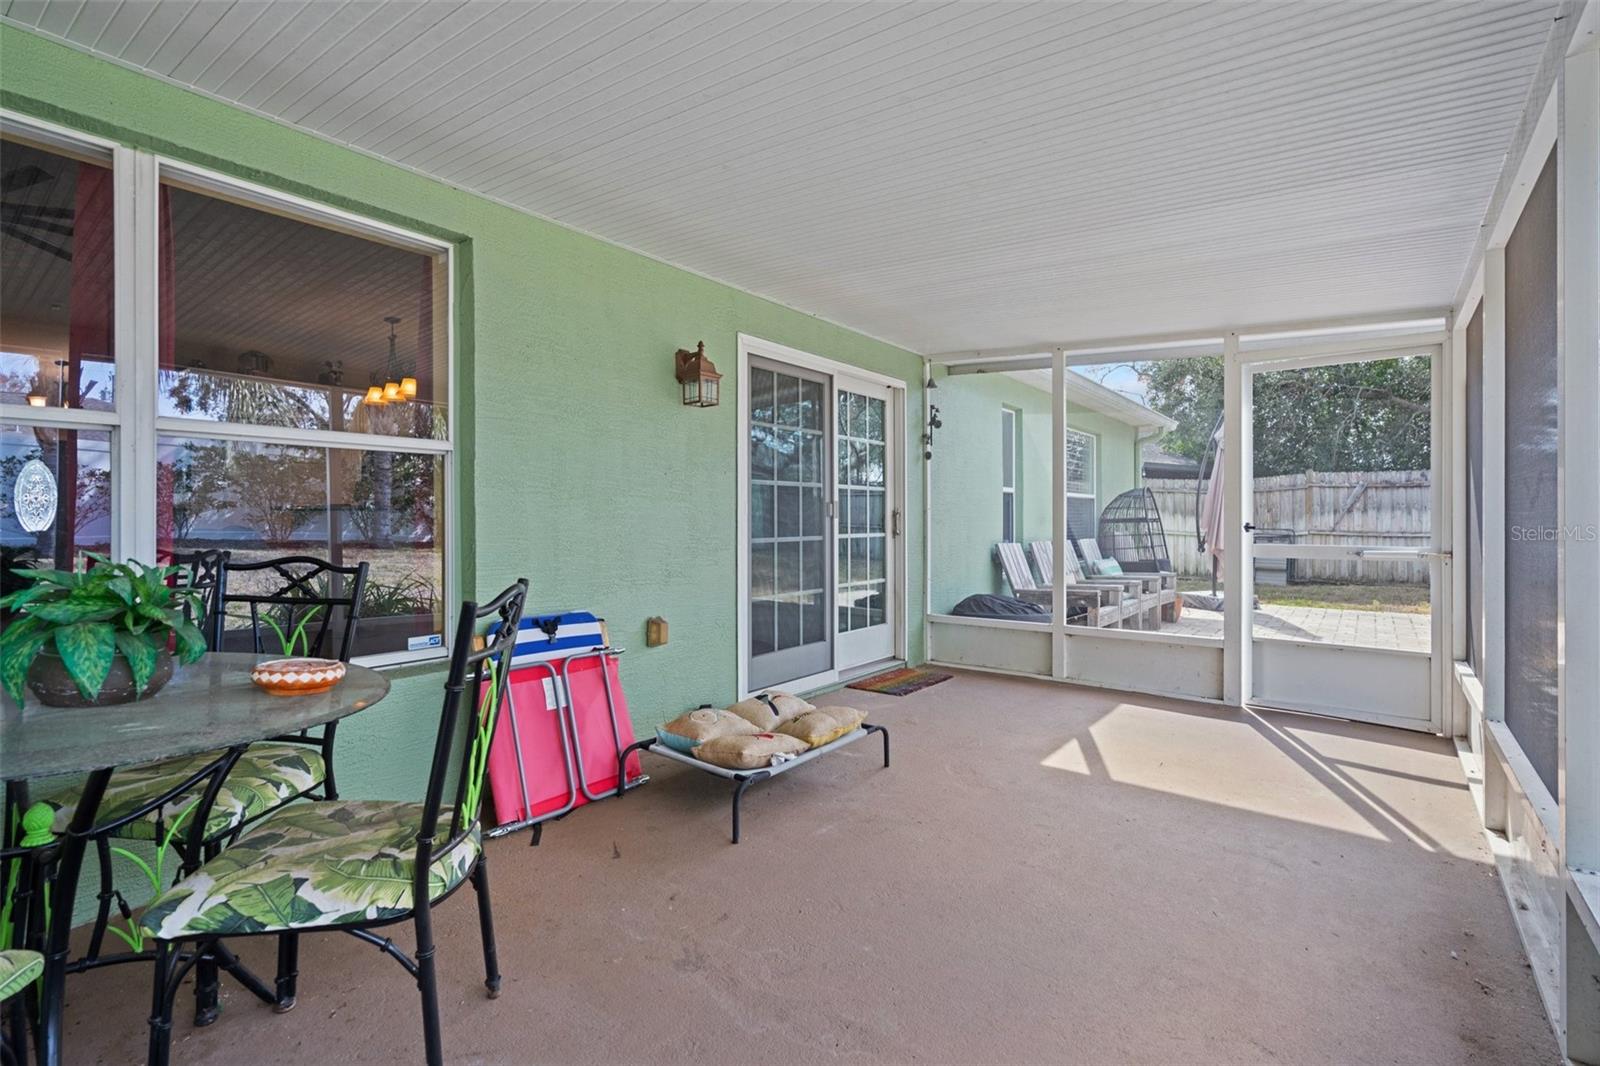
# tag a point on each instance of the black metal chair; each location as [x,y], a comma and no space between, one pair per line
[204,572]
[356,866]
[27,849]
[311,607]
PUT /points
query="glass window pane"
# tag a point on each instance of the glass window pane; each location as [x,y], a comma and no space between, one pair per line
[62,507]
[761,568]
[858,511]
[761,409]
[813,557]
[763,627]
[788,624]
[843,575]
[57,288]
[280,322]
[876,472]
[1008,449]
[787,577]
[761,511]
[811,458]
[812,404]
[788,400]
[788,523]
[812,522]
[1080,463]
[875,558]
[260,501]
[788,455]
[874,427]
[814,619]
[763,463]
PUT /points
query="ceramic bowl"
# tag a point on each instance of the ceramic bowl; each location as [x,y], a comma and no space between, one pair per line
[297,677]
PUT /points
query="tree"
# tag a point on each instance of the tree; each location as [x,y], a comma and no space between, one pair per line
[199,485]
[1351,416]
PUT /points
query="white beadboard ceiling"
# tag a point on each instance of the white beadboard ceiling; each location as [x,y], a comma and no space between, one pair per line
[943,175]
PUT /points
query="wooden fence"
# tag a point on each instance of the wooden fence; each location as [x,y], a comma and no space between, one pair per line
[1390,508]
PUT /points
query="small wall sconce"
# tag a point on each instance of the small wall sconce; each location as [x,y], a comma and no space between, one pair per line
[698,377]
[655,632]
[927,436]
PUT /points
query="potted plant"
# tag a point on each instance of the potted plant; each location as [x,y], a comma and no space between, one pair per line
[104,636]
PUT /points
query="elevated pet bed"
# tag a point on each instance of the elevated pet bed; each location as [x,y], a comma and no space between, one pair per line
[743,779]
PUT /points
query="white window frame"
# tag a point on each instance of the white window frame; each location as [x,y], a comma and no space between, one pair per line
[134,424]
[1010,423]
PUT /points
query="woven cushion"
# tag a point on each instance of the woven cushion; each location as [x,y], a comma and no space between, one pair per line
[267,775]
[315,864]
[17,968]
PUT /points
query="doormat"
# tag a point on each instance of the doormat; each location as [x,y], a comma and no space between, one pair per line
[901,682]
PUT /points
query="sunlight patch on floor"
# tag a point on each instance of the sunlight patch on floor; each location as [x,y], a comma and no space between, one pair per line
[1252,763]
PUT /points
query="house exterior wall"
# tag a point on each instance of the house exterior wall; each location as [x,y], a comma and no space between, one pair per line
[578,466]
[965,477]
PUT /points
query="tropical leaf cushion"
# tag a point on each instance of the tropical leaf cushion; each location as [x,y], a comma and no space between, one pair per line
[266,776]
[314,864]
[17,969]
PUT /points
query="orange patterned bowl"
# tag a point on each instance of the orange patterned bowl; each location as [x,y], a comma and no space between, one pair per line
[297,677]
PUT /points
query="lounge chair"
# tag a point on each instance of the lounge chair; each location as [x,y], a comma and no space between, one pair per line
[1144,603]
[1123,603]
[1163,582]
[1099,606]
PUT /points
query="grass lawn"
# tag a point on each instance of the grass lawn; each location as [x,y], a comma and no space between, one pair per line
[1408,599]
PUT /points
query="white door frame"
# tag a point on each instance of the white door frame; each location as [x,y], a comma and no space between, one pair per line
[1240,368]
[755,346]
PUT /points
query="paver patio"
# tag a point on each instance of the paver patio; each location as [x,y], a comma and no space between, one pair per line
[1400,630]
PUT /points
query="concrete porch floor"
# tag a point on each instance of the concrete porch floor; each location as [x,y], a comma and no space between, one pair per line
[1045,874]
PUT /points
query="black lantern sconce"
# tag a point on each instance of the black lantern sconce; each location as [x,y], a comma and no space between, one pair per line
[698,377]
[927,436]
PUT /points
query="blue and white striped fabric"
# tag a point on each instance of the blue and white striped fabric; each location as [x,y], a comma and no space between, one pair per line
[573,632]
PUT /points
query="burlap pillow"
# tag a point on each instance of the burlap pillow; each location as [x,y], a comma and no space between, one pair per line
[823,725]
[700,725]
[748,753]
[769,710]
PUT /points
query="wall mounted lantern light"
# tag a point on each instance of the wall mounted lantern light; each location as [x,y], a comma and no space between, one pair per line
[698,377]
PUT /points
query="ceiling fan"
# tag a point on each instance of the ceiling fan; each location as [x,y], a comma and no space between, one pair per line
[30,222]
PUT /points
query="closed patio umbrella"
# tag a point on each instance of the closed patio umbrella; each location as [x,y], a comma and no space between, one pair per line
[1211,533]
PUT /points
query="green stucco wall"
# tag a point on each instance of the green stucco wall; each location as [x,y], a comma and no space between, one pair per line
[966,472]
[579,467]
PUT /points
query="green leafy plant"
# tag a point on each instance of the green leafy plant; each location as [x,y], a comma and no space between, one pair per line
[156,875]
[93,616]
[292,635]
[413,595]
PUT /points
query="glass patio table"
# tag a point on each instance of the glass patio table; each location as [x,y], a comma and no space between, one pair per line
[211,705]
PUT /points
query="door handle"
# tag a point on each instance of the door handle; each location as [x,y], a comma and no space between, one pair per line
[894,522]
[1249,527]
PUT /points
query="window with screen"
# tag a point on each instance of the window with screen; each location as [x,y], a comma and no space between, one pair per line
[1008,474]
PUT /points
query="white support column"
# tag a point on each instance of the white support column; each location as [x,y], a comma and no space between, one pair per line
[1441,568]
[1579,493]
[1494,484]
[1238,508]
[137,265]
[1058,512]
[1456,355]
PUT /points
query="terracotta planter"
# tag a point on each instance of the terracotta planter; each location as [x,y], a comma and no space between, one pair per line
[49,680]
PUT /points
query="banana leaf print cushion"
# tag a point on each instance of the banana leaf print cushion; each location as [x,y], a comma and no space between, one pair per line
[267,775]
[17,968]
[315,864]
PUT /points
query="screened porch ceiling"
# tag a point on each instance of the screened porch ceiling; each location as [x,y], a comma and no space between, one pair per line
[943,176]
